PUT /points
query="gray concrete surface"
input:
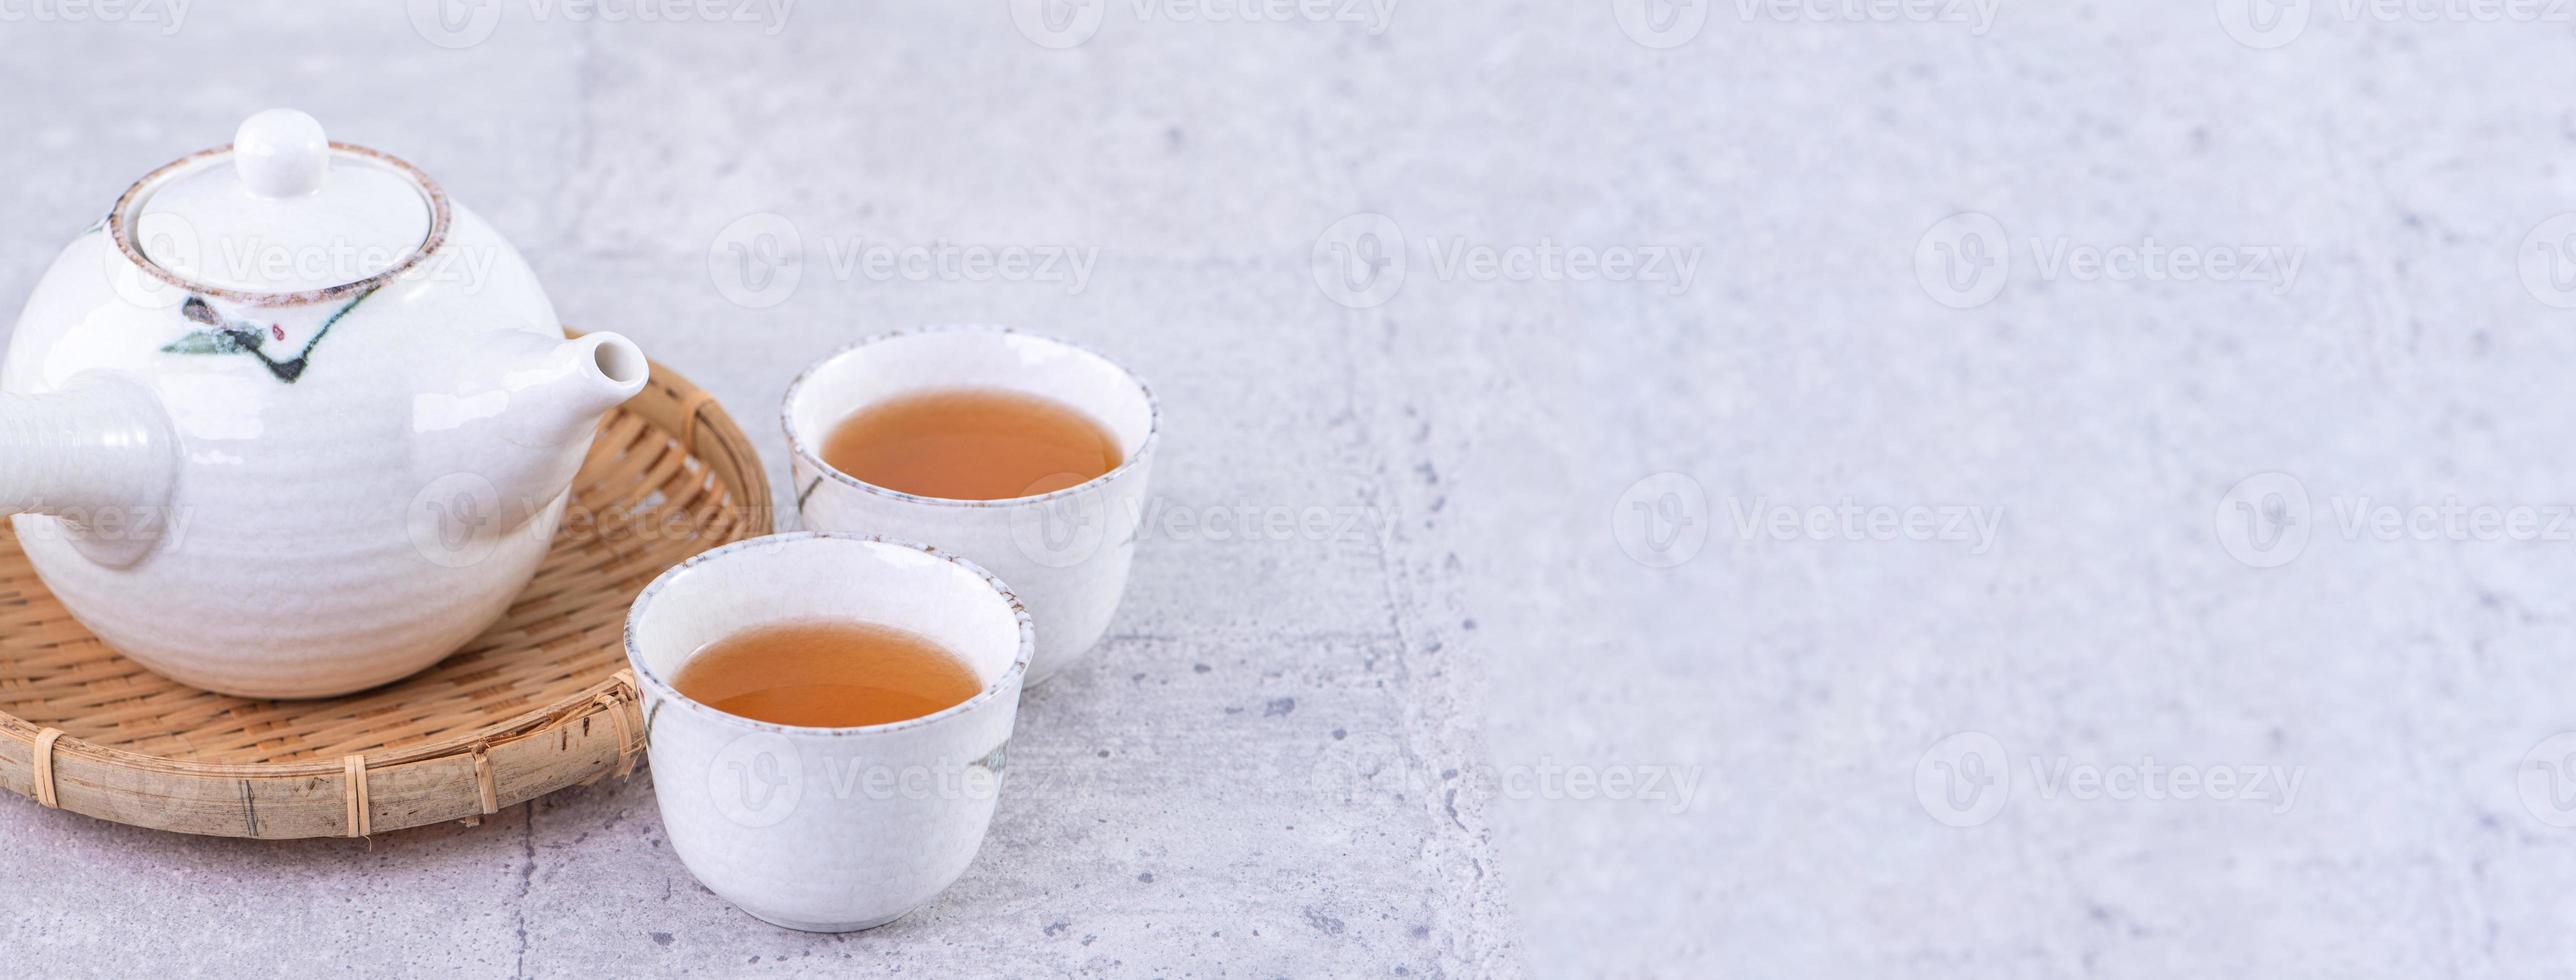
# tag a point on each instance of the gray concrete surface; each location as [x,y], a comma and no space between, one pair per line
[1933,721]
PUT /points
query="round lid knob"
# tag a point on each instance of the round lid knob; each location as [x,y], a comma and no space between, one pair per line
[281,153]
[288,214]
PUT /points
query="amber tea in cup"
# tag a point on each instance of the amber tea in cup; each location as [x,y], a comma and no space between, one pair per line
[827,829]
[1027,455]
[827,674]
[972,444]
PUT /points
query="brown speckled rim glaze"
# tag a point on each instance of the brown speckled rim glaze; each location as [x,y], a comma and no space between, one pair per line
[120,228]
[670,695]
[796,441]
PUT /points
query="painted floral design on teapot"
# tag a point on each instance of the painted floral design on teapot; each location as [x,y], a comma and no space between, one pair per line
[223,336]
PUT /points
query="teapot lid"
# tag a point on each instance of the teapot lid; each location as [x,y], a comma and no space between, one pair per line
[281,216]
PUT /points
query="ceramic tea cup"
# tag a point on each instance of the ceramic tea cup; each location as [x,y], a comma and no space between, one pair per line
[827,829]
[1066,553]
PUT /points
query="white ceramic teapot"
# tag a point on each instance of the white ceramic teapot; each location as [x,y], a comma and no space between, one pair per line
[290,423]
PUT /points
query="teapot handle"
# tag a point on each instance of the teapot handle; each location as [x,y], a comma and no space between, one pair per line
[100,455]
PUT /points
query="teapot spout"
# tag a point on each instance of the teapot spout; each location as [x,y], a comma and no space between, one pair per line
[519,415]
[98,455]
[579,381]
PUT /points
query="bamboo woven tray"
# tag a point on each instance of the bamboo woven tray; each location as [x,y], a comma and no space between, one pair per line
[539,702]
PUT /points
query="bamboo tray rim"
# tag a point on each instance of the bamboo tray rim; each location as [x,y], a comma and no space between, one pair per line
[693,423]
[520,726]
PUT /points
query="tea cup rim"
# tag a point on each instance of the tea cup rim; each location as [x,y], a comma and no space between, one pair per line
[797,445]
[645,674]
